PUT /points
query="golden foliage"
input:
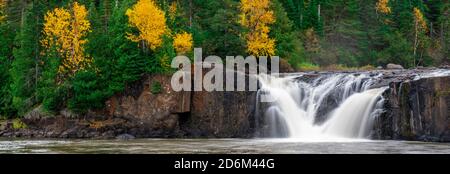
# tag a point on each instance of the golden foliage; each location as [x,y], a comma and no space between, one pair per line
[419,19]
[259,44]
[66,30]
[182,42]
[56,27]
[146,16]
[173,10]
[2,7]
[312,43]
[382,6]
[256,16]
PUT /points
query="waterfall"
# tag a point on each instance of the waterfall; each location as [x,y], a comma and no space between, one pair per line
[321,107]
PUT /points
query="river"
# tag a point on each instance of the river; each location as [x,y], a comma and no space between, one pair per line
[219,146]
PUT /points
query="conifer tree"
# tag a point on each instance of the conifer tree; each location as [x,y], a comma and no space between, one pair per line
[25,68]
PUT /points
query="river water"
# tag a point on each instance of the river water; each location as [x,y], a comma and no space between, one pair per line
[219,146]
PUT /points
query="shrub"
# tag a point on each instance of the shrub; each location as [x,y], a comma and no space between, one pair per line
[19,124]
[156,87]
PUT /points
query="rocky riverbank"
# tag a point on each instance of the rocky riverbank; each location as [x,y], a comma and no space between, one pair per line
[148,108]
[417,107]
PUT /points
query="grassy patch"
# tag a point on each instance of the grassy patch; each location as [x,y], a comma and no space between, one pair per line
[308,67]
[367,68]
[339,67]
[333,67]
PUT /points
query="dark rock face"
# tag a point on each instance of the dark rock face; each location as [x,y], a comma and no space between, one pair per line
[416,110]
[157,110]
[185,114]
[221,114]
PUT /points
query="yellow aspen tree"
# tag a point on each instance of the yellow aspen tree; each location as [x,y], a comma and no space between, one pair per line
[66,31]
[419,19]
[182,42]
[256,16]
[420,27]
[173,10]
[382,6]
[150,20]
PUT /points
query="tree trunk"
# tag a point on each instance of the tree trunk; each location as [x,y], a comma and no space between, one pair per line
[22,15]
[318,13]
[107,13]
[416,28]
[36,57]
[300,12]
[431,29]
[190,14]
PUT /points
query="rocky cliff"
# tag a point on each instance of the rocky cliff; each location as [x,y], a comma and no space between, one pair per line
[184,114]
[416,110]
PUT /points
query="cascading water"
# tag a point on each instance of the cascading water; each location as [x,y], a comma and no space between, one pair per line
[322,108]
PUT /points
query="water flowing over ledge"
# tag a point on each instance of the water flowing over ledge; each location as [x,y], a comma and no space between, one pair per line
[329,107]
[342,106]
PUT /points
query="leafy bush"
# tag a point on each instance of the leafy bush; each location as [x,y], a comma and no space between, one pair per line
[19,124]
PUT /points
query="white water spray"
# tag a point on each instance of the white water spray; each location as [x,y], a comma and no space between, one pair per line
[329,107]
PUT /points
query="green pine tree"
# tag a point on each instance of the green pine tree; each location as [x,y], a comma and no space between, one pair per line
[25,67]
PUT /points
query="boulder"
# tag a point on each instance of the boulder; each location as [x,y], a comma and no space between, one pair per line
[68,114]
[37,113]
[393,66]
